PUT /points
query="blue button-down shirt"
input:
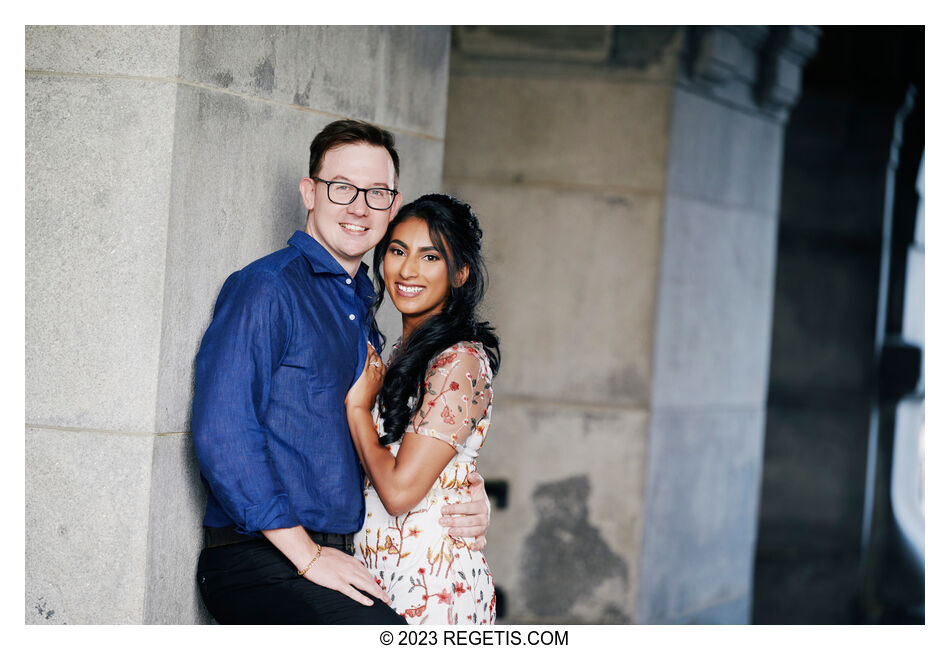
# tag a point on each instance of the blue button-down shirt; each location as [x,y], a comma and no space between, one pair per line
[286,342]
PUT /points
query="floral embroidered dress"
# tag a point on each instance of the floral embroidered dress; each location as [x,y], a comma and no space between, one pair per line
[430,576]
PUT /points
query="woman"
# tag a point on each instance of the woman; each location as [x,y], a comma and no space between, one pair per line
[421,440]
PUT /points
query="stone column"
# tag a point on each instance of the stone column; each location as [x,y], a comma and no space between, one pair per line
[158,161]
[713,321]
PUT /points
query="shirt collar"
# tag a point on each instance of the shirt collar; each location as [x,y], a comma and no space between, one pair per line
[320,259]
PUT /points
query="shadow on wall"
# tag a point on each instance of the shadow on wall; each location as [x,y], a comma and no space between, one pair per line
[565,538]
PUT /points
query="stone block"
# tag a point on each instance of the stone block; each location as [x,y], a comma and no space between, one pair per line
[87,510]
[235,198]
[713,323]
[701,508]
[98,164]
[126,50]
[177,505]
[394,76]
[723,156]
[572,286]
[737,611]
[574,514]
[521,128]
[653,51]
[567,43]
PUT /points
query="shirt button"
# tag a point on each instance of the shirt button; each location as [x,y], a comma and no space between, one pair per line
[352,317]
[349,280]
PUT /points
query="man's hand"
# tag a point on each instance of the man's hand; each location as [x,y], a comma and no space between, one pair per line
[336,570]
[469,519]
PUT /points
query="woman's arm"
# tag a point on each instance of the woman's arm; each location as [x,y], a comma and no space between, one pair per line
[402,481]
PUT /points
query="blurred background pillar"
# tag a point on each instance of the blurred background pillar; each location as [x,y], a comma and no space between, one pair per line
[847,339]
[628,182]
[158,161]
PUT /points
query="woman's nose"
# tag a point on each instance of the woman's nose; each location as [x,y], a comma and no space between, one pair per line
[408,268]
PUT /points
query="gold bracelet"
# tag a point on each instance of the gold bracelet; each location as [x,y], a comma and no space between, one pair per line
[319,551]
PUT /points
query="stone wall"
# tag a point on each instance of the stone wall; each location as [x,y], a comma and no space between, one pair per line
[628,182]
[159,160]
[563,156]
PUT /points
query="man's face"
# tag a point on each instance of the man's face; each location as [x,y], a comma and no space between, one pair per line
[349,231]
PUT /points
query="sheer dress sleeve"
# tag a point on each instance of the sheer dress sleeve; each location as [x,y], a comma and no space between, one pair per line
[456,397]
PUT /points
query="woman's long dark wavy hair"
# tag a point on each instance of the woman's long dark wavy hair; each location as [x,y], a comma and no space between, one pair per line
[455,233]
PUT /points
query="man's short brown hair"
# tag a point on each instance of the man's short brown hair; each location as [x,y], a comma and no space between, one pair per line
[342,132]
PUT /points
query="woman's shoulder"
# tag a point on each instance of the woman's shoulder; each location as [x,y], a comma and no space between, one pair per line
[461,352]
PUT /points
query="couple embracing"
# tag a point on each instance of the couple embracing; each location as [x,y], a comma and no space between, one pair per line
[341,489]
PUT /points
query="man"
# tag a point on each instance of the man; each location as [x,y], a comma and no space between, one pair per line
[286,342]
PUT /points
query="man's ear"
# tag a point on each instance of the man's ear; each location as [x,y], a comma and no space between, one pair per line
[394,208]
[307,193]
[461,276]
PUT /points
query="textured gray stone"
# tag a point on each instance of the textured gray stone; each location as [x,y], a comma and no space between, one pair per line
[87,510]
[149,180]
[395,76]
[175,539]
[714,314]
[236,199]
[575,43]
[737,611]
[532,445]
[127,50]
[723,156]
[520,128]
[572,289]
[575,552]
[98,160]
[700,514]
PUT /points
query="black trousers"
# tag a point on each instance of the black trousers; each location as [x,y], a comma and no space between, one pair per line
[253,583]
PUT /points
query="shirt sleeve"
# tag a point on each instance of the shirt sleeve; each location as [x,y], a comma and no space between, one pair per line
[242,348]
[457,394]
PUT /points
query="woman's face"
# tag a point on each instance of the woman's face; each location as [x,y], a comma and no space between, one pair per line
[415,273]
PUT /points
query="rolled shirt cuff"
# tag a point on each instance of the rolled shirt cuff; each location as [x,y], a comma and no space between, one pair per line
[273,513]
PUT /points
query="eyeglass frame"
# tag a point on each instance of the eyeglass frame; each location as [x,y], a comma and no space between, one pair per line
[392,193]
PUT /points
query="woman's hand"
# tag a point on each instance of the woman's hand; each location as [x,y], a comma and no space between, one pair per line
[364,391]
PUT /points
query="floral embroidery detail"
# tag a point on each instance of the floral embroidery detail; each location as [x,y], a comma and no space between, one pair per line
[447,416]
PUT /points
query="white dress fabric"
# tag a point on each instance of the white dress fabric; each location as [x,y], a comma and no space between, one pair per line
[430,576]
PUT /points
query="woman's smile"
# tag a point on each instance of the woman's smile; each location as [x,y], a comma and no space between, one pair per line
[408,290]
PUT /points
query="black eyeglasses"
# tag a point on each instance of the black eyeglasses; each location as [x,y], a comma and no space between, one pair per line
[378,198]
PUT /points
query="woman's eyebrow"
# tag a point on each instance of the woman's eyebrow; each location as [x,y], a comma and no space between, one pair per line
[399,242]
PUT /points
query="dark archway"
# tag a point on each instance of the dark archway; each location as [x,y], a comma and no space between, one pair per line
[827,549]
